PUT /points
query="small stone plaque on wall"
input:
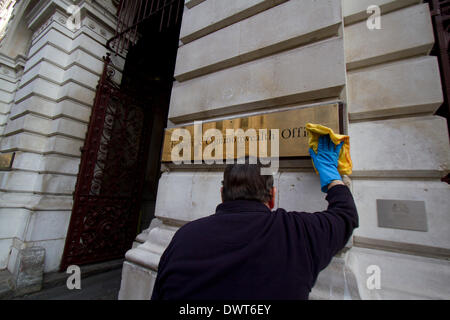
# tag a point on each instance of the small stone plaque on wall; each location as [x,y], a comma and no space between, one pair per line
[402,214]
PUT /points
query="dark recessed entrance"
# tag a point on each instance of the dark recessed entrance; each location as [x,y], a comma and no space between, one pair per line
[119,171]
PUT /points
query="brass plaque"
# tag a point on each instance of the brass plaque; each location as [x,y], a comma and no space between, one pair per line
[6,160]
[291,125]
[402,214]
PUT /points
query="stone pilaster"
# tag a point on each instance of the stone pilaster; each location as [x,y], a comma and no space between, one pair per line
[399,148]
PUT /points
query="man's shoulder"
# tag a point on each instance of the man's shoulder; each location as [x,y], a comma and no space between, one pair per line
[283,213]
[194,225]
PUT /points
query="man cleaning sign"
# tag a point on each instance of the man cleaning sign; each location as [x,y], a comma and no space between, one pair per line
[246,251]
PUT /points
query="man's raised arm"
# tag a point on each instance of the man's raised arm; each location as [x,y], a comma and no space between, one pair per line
[329,231]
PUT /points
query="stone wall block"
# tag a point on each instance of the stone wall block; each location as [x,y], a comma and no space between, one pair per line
[434,194]
[30,270]
[404,33]
[212,15]
[137,282]
[292,24]
[356,10]
[405,87]
[313,72]
[197,195]
[413,145]
[300,191]
[402,276]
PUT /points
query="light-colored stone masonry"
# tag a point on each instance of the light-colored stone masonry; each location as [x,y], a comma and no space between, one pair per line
[213,15]
[10,73]
[400,150]
[285,78]
[46,122]
[237,57]
[285,26]
[398,91]
[391,87]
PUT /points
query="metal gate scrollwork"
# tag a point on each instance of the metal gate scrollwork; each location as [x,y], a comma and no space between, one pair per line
[440,15]
[107,195]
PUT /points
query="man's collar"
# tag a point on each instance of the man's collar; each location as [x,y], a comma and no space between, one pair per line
[242,206]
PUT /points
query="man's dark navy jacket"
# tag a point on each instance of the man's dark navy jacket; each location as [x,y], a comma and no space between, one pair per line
[246,251]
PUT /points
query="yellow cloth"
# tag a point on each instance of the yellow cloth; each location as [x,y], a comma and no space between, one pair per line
[345,162]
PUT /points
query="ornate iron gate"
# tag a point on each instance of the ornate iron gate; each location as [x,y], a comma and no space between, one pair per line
[107,197]
[133,13]
[440,14]
[108,191]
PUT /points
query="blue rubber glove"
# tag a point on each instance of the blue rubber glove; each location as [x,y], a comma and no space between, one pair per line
[326,161]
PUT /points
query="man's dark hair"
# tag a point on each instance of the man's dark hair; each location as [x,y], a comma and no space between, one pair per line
[245,182]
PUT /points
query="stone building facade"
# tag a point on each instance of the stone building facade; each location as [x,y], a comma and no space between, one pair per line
[6,8]
[48,80]
[240,57]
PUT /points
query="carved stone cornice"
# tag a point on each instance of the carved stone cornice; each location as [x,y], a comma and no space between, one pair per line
[44,10]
